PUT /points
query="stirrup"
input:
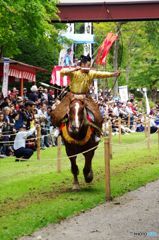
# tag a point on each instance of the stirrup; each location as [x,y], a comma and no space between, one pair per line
[97,139]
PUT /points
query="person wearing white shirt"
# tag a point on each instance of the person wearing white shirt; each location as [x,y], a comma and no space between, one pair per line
[116,111]
[20,150]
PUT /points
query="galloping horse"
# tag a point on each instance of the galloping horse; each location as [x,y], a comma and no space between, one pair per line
[78,137]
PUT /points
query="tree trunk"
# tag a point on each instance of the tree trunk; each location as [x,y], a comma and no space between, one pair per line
[154,95]
[1,51]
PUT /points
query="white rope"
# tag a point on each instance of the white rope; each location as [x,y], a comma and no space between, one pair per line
[49,134]
[75,155]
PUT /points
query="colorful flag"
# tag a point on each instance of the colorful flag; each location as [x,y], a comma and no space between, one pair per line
[105,47]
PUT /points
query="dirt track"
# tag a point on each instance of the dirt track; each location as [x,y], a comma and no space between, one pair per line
[132,216]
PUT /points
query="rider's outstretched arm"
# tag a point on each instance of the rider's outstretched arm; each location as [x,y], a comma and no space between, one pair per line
[68,71]
[101,74]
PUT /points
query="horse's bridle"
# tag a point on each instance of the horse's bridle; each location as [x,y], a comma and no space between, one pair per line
[79,98]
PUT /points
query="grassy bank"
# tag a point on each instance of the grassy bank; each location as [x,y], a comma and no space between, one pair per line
[33,194]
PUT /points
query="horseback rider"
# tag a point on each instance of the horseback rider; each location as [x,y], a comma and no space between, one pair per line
[81,77]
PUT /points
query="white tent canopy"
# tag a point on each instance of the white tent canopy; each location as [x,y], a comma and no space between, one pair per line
[79,38]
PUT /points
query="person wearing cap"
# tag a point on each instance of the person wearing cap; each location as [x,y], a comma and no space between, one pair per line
[81,78]
[20,150]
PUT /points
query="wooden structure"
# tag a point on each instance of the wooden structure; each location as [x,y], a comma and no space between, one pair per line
[21,72]
[110,10]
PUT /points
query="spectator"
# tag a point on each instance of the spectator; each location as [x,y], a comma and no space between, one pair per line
[153,126]
[33,96]
[139,125]
[67,58]
[20,149]
[25,94]
[28,113]
[157,119]
[43,117]
[6,134]
[129,111]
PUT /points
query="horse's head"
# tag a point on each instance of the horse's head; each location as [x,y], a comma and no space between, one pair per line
[76,115]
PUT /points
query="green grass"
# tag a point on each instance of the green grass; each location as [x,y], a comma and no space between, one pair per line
[33,194]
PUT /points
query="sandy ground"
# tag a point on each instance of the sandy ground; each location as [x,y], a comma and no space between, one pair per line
[132,216]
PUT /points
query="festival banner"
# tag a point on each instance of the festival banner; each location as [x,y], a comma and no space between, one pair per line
[123,92]
[56,78]
[5,77]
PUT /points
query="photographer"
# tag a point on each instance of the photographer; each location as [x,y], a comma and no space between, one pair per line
[20,149]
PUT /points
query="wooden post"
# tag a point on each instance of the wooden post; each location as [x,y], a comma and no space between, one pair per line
[148,134]
[145,125]
[38,128]
[21,87]
[119,127]
[107,168]
[158,138]
[110,137]
[59,154]
[104,128]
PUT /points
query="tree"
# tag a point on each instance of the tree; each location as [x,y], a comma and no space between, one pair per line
[138,54]
[44,54]
[24,19]
[142,56]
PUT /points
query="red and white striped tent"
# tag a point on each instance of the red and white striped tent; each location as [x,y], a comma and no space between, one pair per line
[57,79]
[21,71]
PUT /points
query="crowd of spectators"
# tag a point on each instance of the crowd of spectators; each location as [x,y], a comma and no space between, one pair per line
[35,105]
[131,113]
[18,112]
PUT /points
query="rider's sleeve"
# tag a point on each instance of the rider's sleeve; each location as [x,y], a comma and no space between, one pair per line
[66,71]
[101,74]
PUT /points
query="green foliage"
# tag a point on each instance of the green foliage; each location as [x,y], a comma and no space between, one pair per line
[44,54]
[138,52]
[79,27]
[27,34]
[23,19]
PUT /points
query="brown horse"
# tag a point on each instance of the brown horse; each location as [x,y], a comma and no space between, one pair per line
[78,137]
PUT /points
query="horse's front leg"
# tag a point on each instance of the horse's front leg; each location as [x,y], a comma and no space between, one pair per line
[75,172]
[87,170]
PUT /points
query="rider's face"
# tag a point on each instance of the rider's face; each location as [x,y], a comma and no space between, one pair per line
[85,65]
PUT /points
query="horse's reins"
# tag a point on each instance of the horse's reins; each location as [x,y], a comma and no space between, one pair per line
[86,122]
[91,123]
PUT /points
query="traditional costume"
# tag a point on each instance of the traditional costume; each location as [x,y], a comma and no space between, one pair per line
[80,82]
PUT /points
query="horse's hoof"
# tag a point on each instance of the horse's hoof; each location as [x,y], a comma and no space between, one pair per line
[76,187]
[89,177]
